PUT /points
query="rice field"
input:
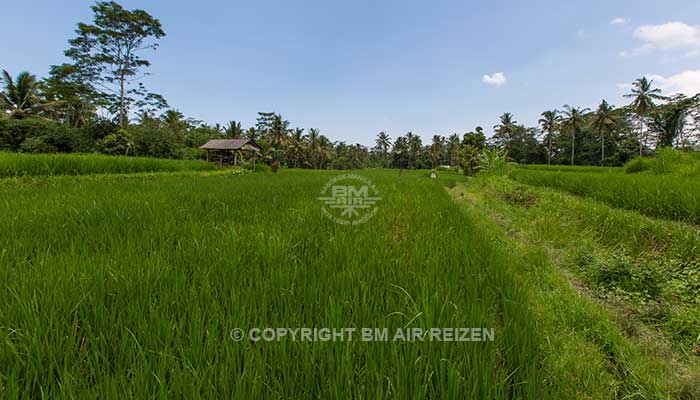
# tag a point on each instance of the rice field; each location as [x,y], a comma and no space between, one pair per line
[130,288]
[18,165]
[674,197]
[137,285]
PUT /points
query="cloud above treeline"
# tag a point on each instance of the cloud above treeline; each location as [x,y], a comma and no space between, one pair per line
[496,79]
[668,36]
[686,82]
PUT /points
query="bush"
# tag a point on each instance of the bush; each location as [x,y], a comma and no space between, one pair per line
[155,142]
[48,136]
[116,144]
[636,165]
[37,144]
[621,275]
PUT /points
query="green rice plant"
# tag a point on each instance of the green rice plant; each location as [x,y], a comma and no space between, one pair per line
[14,164]
[664,196]
[569,168]
[113,288]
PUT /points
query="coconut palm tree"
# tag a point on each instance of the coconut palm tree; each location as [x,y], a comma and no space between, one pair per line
[279,130]
[233,130]
[325,150]
[383,143]
[20,96]
[574,120]
[605,120]
[436,149]
[414,148]
[643,96]
[296,148]
[454,147]
[550,122]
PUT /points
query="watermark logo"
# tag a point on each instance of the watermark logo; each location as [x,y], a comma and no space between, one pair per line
[349,199]
[415,334]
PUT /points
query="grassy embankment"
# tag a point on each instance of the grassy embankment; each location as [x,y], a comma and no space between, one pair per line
[22,165]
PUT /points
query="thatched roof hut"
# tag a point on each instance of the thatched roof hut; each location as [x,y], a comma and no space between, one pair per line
[227,149]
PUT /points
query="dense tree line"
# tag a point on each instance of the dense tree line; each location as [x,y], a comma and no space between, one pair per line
[98,103]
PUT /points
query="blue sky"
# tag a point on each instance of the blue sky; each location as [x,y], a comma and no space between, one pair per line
[354,68]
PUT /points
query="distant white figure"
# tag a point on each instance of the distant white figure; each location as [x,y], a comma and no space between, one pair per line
[433,175]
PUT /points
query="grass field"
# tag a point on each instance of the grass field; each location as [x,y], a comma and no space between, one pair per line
[14,165]
[664,196]
[134,287]
[131,287]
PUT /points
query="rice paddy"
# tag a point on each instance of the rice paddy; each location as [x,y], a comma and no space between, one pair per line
[132,287]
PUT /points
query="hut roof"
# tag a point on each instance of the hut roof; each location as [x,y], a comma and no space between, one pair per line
[230,144]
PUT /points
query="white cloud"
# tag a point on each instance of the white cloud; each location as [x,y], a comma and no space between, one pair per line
[686,82]
[497,79]
[618,21]
[668,36]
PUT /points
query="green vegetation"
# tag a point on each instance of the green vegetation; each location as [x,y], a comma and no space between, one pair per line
[597,345]
[664,195]
[13,165]
[130,287]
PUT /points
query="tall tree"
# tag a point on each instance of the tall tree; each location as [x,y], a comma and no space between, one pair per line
[414,148]
[670,120]
[20,96]
[550,122]
[106,54]
[604,120]
[574,120]
[383,144]
[504,130]
[454,147]
[643,96]
[436,150]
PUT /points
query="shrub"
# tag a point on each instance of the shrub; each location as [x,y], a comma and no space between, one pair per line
[155,142]
[118,143]
[49,135]
[620,274]
[636,165]
[37,144]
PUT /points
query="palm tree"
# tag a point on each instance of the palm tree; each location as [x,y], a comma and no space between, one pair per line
[436,149]
[252,134]
[643,103]
[296,148]
[383,143]
[325,150]
[605,120]
[453,148]
[174,120]
[20,96]
[278,130]
[233,130]
[575,121]
[414,148]
[504,130]
[550,121]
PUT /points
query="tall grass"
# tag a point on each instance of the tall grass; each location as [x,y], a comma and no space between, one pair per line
[667,161]
[14,164]
[665,196]
[568,168]
[129,288]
